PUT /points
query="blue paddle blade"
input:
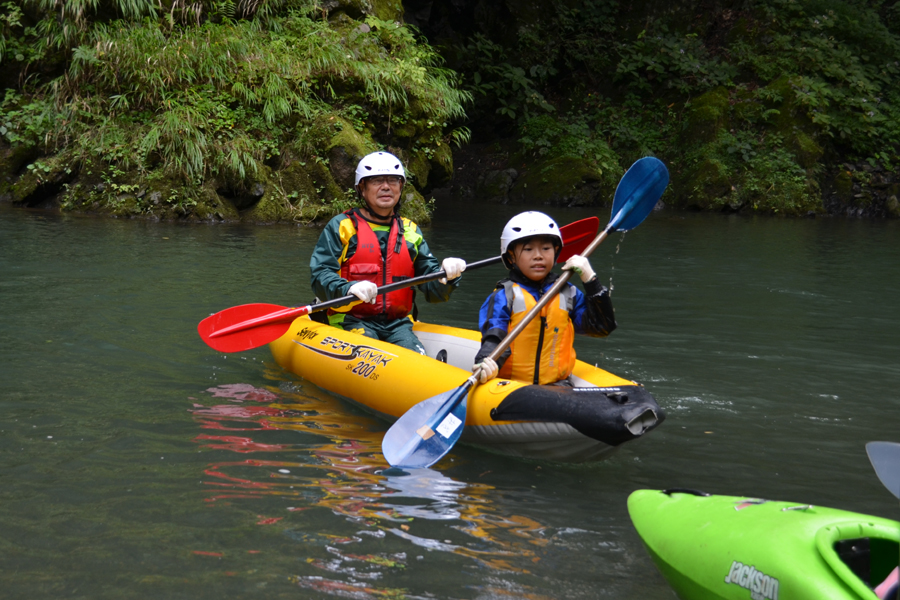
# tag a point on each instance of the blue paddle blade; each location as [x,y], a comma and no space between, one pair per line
[885,458]
[638,192]
[427,431]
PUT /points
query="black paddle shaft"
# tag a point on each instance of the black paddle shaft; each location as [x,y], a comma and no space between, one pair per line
[399,285]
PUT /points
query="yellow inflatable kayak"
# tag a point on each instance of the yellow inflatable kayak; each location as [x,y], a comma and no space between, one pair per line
[553,422]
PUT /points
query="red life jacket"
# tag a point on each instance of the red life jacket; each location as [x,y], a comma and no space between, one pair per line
[367,264]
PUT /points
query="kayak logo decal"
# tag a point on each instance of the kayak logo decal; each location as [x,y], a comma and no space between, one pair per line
[307,334]
[761,586]
[364,360]
[335,348]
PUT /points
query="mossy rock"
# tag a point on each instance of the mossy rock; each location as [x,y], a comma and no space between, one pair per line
[566,180]
[344,151]
[212,207]
[404,131]
[441,162]
[807,150]
[843,186]
[494,185]
[704,185]
[414,206]
[430,167]
[418,168]
[300,191]
[386,10]
[43,180]
[707,116]
[792,118]
[892,206]
[12,160]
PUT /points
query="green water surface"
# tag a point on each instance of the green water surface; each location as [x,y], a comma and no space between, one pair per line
[136,462]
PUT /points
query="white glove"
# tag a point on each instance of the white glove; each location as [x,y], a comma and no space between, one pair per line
[580,265]
[453,267]
[489,370]
[365,291]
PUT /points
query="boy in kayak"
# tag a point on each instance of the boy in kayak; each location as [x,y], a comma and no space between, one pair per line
[373,246]
[543,352]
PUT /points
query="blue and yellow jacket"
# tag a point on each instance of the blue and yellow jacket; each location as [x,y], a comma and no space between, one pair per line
[543,352]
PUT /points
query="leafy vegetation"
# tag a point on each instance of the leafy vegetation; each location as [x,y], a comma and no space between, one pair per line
[753,105]
[215,92]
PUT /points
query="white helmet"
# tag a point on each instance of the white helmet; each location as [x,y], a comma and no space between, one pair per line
[526,225]
[379,163]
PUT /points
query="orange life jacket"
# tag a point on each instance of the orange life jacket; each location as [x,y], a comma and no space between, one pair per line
[543,352]
[368,264]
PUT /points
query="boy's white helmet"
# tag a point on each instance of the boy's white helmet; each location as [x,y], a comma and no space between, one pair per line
[526,225]
[379,163]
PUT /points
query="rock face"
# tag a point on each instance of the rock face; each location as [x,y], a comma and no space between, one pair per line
[862,190]
[279,145]
[494,173]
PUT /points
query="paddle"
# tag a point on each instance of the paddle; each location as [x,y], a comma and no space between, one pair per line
[252,325]
[885,459]
[427,431]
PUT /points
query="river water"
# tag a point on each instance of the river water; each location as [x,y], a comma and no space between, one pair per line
[139,463]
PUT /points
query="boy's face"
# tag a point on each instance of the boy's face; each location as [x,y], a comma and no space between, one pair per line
[535,257]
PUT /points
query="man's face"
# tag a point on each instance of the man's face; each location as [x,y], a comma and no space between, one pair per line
[381,193]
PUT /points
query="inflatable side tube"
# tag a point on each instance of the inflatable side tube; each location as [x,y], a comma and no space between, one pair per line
[611,415]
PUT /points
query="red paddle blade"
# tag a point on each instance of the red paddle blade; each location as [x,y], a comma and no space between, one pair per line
[577,236]
[269,322]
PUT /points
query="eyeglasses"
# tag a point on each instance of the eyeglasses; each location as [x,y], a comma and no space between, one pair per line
[392,180]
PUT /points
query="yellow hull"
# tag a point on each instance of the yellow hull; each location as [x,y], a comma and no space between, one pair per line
[389,380]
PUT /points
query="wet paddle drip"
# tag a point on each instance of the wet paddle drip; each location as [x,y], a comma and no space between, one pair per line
[612,264]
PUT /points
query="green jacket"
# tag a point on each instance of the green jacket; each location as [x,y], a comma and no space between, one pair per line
[337,243]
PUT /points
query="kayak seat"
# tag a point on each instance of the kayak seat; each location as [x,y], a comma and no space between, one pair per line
[873,560]
[856,554]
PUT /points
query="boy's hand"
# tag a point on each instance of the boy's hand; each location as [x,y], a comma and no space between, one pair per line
[453,267]
[365,291]
[489,370]
[580,265]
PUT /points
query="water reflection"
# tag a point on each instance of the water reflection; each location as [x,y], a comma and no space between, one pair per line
[336,464]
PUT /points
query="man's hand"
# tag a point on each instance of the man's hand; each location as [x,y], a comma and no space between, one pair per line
[453,267]
[365,291]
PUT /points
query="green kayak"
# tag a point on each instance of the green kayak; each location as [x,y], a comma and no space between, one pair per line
[745,548]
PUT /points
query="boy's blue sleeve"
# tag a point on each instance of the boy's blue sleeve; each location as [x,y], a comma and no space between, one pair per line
[493,321]
[493,318]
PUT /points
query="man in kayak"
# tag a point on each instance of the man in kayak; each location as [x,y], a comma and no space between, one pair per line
[543,352]
[373,246]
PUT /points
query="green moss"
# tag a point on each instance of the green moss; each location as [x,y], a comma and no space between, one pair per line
[705,184]
[404,131]
[805,148]
[441,162]
[387,10]
[212,207]
[893,206]
[414,206]
[418,167]
[565,180]
[707,116]
[843,186]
